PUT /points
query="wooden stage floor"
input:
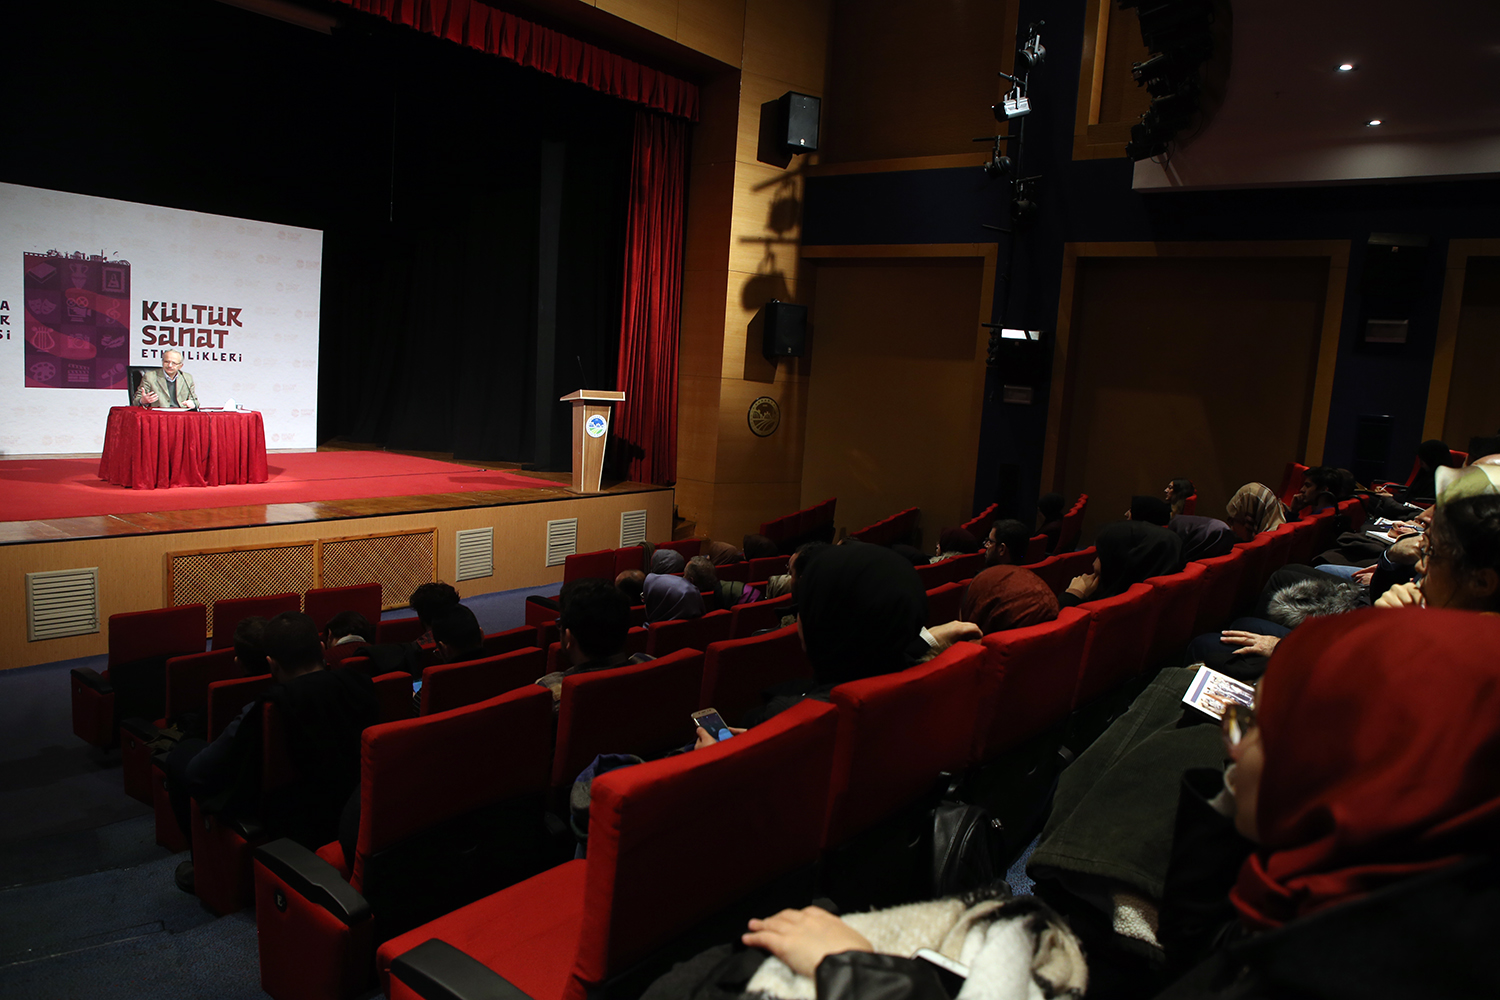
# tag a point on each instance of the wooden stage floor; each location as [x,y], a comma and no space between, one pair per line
[256,515]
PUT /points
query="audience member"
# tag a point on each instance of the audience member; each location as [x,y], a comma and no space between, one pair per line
[786,583]
[955,542]
[1252,510]
[1316,493]
[722,553]
[632,584]
[911,554]
[727,593]
[1459,559]
[1007,597]
[592,627]
[1128,552]
[1177,493]
[667,598]
[1431,456]
[1293,595]
[458,635]
[1202,537]
[347,632]
[1151,510]
[668,561]
[1006,543]
[1049,510]
[430,600]
[760,547]
[322,713]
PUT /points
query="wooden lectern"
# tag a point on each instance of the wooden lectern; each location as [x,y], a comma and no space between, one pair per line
[590,428]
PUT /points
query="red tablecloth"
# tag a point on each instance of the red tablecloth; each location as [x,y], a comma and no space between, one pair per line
[146,449]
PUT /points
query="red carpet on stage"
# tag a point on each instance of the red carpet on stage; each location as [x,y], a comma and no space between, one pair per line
[41,489]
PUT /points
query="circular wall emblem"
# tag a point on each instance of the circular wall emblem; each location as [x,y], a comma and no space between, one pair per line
[764,416]
[595,426]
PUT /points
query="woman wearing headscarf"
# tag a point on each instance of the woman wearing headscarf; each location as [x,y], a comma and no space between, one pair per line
[1152,510]
[668,561]
[1202,537]
[1253,509]
[1127,553]
[1369,808]
[955,542]
[1006,597]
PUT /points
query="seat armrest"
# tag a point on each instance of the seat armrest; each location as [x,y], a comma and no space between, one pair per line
[249,828]
[314,879]
[435,970]
[93,679]
[140,728]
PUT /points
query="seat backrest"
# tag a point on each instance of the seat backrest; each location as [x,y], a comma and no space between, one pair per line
[935,574]
[944,603]
[1291,481]
[1120,631]
[767,566]
[226,699]
[689,547]
[689,633]
[1218,591]
[448,686]
[629,558]
[891,530]
[1190,505]
[418,775]
[738,572]
[1257,568]
[598,565]
[400,630]
[1460,458]
[1072,526]
[1036,550]
[1354,510]
[748,618]
[393,695]
[897,732]
[1028,681]
[643,709]
[1057,571]
[188,678]
[980,524]
[1179,597]
[737,671]
[1326,529]
[648,843]
[227,615]
[140,644]
[635,642]
[1305,534]
[519,637]
[322,603]
[537,613]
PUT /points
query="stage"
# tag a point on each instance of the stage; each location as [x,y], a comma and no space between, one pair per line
[324,518]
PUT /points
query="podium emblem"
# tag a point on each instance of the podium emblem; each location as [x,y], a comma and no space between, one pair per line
[764,416]
[595,426]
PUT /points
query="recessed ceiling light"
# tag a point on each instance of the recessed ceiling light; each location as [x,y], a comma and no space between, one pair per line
[1346,67]
[1374,121]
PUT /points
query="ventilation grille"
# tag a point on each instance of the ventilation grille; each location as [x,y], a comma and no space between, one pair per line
[562,540]
[399,561]
[61,603]
[210,575]
[632,528]
[476,553]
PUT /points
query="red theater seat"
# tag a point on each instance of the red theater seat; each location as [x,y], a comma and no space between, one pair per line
[746,619]
[944,603]
[689,633]
[979,525]
[322,603]
[400,630]
[228,614]
[1190,505]
[449,686]
[1219,588]
[1029,680]
[1036,550]
[511,639]
[1178,596]
[134,684]
[393,693]
[1057,571]
[187,680]
[737,671]
[644,709]
[635,642]
[689,547]
[434,835]
[652,873]
[1072,526]
[590,565]
[1120,631]
[631,557]
[767,567]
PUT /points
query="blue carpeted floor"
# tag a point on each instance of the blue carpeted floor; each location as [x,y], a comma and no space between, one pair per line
[88,907]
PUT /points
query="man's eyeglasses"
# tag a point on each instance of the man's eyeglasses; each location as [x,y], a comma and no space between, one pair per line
[988,542]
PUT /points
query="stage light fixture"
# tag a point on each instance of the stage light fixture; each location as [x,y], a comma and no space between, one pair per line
[1373,122]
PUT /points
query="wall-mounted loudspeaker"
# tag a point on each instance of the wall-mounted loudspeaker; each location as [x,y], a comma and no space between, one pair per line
[788,126]
[783,329]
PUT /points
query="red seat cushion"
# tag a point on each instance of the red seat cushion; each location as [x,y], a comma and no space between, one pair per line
[1029,679]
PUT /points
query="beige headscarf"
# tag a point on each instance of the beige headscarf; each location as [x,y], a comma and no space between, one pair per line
[1260,503]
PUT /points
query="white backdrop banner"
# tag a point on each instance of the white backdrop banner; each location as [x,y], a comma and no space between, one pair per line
[91,287]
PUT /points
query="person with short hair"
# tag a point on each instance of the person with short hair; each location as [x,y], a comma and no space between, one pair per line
[344,636]
[1006,544]
[1151,510]
[592,627]
[457,634]
[1050,509]
[168,386]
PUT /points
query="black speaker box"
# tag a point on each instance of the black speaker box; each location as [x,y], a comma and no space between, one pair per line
[783,329]
[788,125]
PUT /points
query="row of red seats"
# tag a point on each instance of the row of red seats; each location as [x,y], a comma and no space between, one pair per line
[813,524]
[892,530]
[606,564]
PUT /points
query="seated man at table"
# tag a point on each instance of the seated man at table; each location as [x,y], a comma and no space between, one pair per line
[169,387]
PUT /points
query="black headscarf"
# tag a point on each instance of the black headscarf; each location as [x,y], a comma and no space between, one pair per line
[1202,537]
[1132,551]
[1152,510]
[862,609]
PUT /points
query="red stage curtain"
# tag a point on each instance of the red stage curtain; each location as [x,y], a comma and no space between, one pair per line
[646,423]
[471,23]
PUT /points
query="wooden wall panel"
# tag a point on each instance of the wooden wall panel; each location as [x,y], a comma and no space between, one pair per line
[714,27]
[894,405]
[1198,367]
[132,569]
[909,80]
[1473,397]
[1109,102]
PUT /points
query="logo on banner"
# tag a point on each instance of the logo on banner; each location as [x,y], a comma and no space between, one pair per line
[596,426]
[77,321]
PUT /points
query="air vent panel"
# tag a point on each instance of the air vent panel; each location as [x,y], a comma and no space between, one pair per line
[562,540]
[61,603]
[476,553]
[632,528]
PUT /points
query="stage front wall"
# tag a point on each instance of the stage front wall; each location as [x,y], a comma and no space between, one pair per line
[91,287]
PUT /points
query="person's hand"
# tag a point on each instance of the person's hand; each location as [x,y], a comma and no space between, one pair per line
[1084,585]
[803,938]
[951,632]
[149,397]
[192,404]
[1402,595]
[1407,551]
[1249,642]
[705,740]
[1401,529]
[1363,576]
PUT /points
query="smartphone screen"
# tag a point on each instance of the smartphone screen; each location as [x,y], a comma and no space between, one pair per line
[711,721]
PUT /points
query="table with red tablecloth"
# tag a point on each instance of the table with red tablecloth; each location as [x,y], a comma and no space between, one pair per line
[148,449]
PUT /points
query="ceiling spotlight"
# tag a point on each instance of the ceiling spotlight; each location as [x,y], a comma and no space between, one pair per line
[1373,121]
[1346,67]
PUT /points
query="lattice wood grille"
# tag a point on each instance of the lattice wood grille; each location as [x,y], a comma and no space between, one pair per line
[223,574]
[399,562]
